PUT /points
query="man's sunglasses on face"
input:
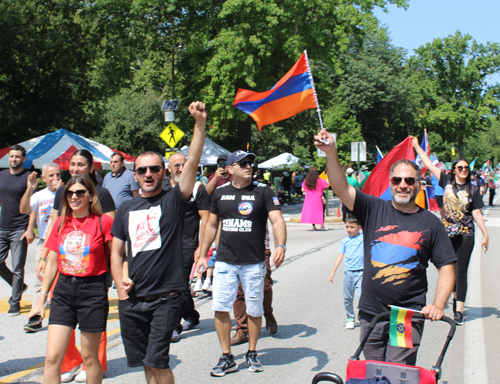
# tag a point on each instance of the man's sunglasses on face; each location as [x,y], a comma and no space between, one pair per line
[152,168]
[244,163]
[396,180]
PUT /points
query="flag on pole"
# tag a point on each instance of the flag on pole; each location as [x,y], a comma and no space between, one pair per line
[434,159]
[378,184]
[471,165]
[379,155]
[400,330]
[486,165]
[294,93]
[425,147]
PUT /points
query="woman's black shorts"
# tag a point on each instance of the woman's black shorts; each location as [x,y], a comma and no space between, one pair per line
[80,300]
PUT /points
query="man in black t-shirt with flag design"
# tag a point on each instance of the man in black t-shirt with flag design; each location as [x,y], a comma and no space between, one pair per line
[242,208]
[400,239]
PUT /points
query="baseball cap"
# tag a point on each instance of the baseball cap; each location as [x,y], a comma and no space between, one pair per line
[239,155]
[222,158]
[349,171]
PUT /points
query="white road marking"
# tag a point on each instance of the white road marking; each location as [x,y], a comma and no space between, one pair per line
[475,367]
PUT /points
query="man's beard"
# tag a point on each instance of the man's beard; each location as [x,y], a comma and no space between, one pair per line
[17,166]
[177,179]
[412,196]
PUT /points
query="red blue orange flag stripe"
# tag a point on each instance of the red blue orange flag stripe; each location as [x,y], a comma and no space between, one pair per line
[294,93]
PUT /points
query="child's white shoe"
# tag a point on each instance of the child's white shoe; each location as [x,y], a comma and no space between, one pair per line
[349,324]
[206,284]
[197,286]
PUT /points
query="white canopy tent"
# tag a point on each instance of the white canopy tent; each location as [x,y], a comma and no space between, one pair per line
[282,161]
[211,151]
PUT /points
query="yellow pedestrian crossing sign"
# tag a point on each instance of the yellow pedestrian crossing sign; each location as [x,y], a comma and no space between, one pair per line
[171,135]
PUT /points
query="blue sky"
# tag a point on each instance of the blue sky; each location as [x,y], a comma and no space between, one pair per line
[426,20]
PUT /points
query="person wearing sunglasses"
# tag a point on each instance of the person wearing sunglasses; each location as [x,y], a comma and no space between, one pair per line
[80,163]
[221,175]
[79,246]
[150,228]
[462,204]
[242,208]
[400,239]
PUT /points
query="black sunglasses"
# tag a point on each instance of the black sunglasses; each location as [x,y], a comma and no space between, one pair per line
[152,169]
[396,180]
[79,193]
[245,163]
[462,168]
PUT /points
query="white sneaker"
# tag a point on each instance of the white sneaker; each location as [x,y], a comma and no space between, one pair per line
[206,284]
[81,377]
[68,376]
[197,286]
[349,324]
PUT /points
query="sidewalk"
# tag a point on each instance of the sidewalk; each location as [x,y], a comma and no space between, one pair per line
[292,212]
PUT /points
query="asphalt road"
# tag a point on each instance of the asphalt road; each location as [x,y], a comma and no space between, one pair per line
[311,316]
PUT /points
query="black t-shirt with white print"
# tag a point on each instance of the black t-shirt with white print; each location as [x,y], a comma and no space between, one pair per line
[152,228]
[200,202]
[243,215]
[397,249]
[457,210]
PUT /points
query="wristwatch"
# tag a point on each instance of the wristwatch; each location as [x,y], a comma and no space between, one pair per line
[282,246]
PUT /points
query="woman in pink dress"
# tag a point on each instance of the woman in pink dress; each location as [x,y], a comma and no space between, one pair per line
[312,210]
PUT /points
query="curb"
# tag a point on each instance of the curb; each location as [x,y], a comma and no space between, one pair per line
[331,220]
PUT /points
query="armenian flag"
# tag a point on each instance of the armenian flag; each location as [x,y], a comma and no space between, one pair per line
[400,329]
[294,93]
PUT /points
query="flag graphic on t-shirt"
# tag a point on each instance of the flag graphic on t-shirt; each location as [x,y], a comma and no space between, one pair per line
[395,254]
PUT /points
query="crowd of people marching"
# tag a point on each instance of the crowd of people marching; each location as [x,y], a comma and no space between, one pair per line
[152,234]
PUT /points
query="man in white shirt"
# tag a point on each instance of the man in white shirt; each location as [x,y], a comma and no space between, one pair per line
[40,205]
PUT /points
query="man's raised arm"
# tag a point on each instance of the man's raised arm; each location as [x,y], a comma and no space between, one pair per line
[336,175]
[188,177]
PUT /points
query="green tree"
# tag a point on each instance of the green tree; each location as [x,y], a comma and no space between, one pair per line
[450,81]
[377,91]
[43,68]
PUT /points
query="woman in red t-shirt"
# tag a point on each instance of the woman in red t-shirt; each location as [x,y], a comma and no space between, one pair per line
[79,244]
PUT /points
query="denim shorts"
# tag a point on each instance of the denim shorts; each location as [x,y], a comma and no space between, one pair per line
[82,301]
[226,278]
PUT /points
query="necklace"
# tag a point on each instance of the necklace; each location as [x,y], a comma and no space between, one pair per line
[74,226]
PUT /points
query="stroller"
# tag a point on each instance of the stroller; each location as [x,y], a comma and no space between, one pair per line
[396,373]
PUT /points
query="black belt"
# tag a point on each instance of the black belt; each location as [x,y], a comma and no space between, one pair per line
[85,279]
[159,295]
[355,270]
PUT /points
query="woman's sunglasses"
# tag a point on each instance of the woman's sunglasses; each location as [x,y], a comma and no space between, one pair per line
[152,169]
[396,180]
[79,193]
[462,168]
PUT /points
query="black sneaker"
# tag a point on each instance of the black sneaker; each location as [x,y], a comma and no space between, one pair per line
[14,310]
[25,287]
[253,362]
[226,364]
[459,318]
[188,325]
[34,325]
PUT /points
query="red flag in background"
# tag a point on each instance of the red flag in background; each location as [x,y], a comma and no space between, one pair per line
[378,183]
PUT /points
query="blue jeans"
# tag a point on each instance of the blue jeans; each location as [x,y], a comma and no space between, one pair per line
[18,249]
[352,282]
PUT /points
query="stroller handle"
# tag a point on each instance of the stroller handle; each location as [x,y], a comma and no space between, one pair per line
[377,318]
